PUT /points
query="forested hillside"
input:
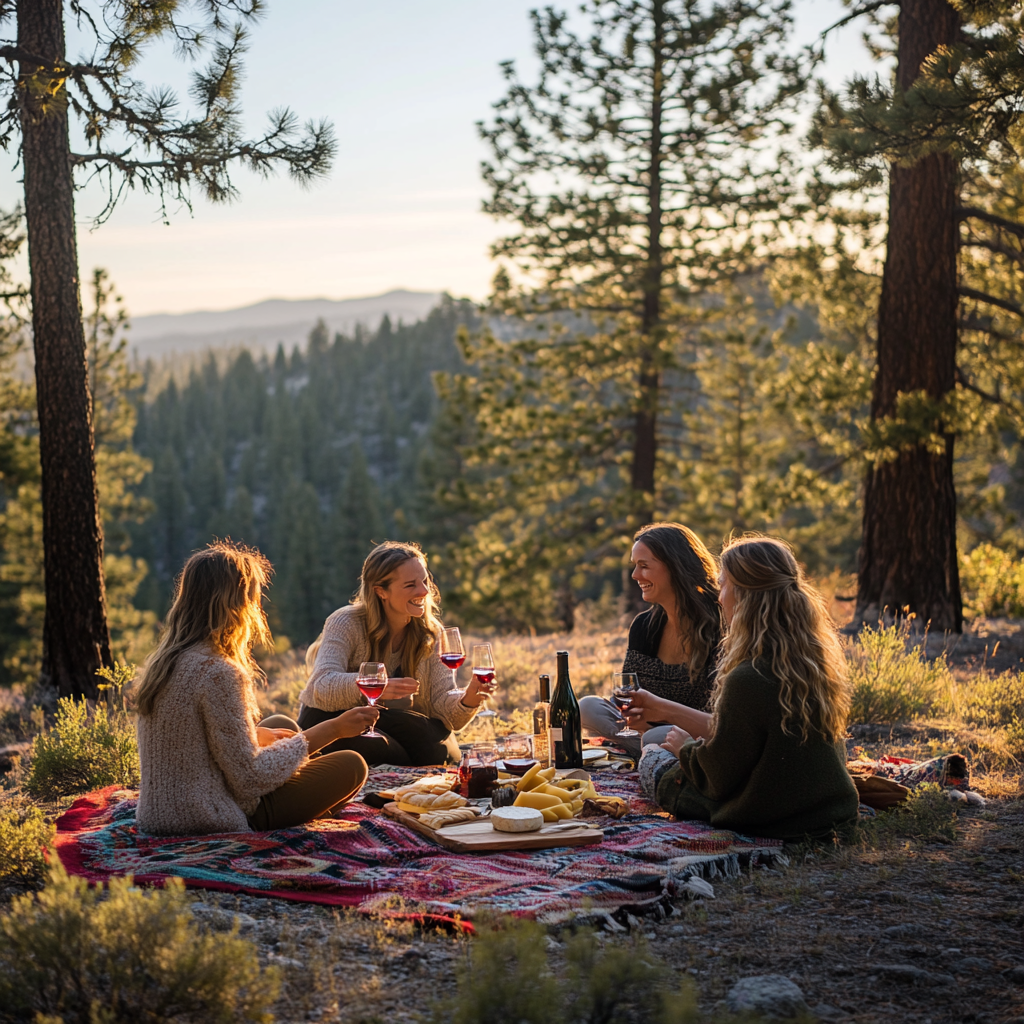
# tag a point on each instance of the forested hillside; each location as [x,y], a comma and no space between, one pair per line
[309,455]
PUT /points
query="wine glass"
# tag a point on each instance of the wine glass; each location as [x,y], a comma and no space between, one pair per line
[372,678]
[452,653]
[624,685]
[483,669]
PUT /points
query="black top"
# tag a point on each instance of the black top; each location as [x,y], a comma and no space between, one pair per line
[671,682]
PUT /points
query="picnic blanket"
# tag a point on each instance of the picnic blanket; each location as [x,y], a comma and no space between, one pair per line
[369,861]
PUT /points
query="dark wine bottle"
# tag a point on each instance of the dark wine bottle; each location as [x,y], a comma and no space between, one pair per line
[566,727]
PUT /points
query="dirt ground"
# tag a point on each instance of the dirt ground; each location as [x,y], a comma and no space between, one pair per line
[927,931]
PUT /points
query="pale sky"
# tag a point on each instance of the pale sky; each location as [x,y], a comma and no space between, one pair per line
[404,82]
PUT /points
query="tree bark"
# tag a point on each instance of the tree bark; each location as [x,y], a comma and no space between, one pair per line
[76,639]
[908,560]
[645,440]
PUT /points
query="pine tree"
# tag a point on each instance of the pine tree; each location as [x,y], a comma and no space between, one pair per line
[134,138]
[644,168]
[944,123]
[355,527]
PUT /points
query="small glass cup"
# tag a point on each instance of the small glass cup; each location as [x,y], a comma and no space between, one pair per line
[516,752]
[483,772]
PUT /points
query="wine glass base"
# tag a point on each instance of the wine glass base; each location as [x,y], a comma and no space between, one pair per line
[374,735]
[627,732]
[487,714]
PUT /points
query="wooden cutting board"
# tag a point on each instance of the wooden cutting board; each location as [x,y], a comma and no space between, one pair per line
[480,836]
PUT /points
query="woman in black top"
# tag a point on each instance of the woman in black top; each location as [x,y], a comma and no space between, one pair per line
[672,645]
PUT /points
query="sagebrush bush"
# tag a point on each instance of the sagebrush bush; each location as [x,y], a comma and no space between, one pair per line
[84,750]
[993,583]
[927,815]
[25,835]
[68,954]
[990,700]
[509,976]
[892,684]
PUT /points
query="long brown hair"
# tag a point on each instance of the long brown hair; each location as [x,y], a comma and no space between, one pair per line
[420,635]
[217,599]
[694,576]
[780,620]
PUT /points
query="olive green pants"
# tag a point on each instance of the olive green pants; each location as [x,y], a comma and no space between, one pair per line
[321,784]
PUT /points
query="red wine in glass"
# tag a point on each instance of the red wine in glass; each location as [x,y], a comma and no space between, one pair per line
[485,675]
[624,686]
[372,678]
[452,653]
[371,689]
[453,661]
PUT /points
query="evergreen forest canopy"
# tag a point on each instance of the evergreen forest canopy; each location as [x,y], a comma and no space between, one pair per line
[702,312]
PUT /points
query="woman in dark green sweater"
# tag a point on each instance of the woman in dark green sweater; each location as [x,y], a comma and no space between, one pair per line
[774,763]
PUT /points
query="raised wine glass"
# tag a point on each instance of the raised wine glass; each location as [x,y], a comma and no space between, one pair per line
[452,653]
[624,685]
[372,678]
[483,669]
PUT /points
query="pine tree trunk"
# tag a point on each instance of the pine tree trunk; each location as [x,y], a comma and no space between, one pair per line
[645,439]
[76,640]
[908,551]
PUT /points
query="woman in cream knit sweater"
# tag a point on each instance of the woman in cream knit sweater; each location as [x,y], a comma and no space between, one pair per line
[392,620]
[206,765]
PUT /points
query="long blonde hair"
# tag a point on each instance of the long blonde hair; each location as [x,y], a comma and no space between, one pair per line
[694,577]
[217,599]
[420,635]
[780,620]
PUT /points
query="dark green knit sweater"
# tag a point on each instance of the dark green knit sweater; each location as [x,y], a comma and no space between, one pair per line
[754,778]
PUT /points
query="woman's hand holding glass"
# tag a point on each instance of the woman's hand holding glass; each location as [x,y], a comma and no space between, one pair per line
[400,686]
[645,708]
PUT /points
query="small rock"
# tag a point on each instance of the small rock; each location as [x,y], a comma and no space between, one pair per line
[975,963]
[956,797]
[1015,974]
[770,995]
[975,799]
[221,920]
[677,929]
[913,975]
[903,931]
[284,961]
[826,1011]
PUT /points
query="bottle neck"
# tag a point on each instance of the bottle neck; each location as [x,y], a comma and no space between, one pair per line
[545,689]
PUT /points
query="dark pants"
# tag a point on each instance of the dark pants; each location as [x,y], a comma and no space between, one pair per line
[409,738]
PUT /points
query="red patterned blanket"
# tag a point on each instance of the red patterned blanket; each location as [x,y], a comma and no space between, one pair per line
[368,861]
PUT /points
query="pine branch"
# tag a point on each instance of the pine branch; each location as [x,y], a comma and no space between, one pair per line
[973,212]
[984,324]
[961,379]
[996,247]
[992,300]
[868,8]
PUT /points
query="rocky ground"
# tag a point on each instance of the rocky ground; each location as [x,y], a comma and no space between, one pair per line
[921,923]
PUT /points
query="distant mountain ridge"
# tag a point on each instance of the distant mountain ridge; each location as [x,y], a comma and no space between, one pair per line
[266,324]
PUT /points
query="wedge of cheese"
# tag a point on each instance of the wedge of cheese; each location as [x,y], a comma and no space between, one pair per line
[516,819]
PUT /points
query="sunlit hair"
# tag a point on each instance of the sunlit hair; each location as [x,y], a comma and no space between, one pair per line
[694,577]
[421,634]
[782,623]
[217,600]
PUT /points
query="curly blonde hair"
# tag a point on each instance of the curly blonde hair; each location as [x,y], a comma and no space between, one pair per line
[781,621]
[217,600]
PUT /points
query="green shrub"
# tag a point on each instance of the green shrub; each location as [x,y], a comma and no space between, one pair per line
[509,976]
[927,815]
[990,700]
[992,582]
[24,835]
[67,954]
[83,751]
[891,683]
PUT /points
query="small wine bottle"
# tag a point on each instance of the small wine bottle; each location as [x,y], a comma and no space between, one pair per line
[542,724]
[566,726]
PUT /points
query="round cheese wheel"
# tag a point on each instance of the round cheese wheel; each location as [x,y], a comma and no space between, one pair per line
[516,819]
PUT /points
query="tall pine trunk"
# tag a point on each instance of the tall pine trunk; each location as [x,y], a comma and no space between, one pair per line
[908,550]
[76,639]
[645,436]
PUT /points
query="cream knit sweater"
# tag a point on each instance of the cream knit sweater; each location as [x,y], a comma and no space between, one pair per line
[344,646]
[202,769]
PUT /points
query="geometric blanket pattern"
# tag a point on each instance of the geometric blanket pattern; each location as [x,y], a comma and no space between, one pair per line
[371,862]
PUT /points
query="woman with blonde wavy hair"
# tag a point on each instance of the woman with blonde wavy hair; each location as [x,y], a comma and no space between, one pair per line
[392,619]
[207,766]
[773,761]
